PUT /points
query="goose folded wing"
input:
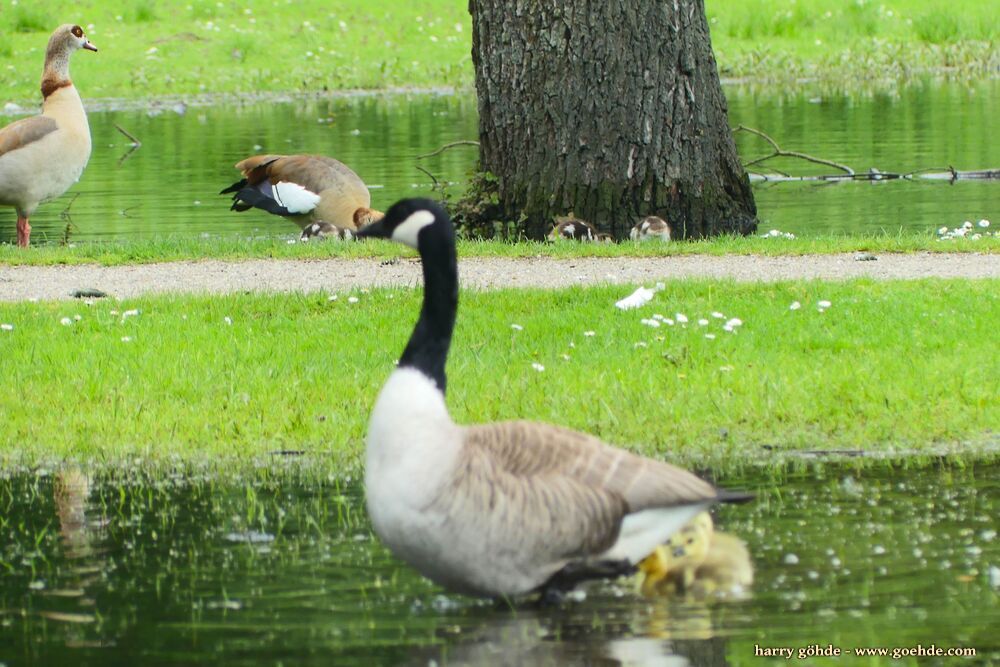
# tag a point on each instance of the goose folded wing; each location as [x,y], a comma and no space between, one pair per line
[26,131]
[526,448]
[536,518]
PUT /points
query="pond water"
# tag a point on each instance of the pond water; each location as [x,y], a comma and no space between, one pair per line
[169,185]
[278,565]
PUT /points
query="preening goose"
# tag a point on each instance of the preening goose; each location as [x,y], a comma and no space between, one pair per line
[304,188]
[506,508]
[42,156]
[572,229]
[651,228]
[698,561]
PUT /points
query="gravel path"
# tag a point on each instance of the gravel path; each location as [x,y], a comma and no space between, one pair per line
[57,282]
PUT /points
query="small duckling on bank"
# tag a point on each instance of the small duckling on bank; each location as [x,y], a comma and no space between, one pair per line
[651,228]
[572,229]
[325,230]
[697,561]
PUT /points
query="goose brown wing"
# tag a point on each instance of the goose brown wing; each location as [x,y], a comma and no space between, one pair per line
[22,132]
[527,514]
[547,453]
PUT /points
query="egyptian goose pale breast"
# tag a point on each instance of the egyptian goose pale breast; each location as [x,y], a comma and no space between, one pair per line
[506,508]
[42,156]
[306,189]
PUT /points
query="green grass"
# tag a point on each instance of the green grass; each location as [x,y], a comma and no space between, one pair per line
[889,367]
[186,248]
[155,49]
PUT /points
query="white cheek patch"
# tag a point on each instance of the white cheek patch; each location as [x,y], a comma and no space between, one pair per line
[407,231]
[294,197]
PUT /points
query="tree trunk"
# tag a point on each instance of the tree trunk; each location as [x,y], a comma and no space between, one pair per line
[609,110]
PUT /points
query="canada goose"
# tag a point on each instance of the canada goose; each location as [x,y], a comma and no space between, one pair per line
[42,156]
[305,189]
[572,229]
[605,238]
[698,561]
[651,228]
[506,508]
[324,230]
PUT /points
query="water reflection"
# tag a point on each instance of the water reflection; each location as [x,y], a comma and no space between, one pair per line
[170,185]
[277,565]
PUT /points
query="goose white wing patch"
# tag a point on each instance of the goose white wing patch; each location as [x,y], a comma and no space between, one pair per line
[294,197]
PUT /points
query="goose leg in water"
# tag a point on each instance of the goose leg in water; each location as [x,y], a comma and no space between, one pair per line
[572,574]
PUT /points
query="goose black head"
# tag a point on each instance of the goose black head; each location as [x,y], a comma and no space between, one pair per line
[412,222]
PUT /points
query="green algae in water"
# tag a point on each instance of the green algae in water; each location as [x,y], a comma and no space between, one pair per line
[271,566]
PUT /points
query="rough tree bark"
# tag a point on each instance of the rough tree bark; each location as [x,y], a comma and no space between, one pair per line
[610,109]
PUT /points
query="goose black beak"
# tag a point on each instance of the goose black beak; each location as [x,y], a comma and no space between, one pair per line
[678,552]
[375,230]
[89,46]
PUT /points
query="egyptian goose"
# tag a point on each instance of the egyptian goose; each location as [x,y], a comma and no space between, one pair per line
[698,561]
[305,189]
[42,156]
[572,229]
[651,228]
[505,508]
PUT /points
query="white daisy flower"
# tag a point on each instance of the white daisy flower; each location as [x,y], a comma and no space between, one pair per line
[537,366]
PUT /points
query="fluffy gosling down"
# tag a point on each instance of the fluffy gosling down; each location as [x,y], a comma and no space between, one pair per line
[651,228]
[697,561]
[573,229]
[42,156]
[324,230]
[505,508]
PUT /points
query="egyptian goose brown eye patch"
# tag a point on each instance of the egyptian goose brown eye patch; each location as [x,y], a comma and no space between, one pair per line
[77,31]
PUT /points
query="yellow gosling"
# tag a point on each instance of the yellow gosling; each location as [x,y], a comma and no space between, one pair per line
[697,561]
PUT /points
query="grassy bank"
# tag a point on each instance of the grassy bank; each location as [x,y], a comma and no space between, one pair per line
[155,49]
[187,248]
[886,367]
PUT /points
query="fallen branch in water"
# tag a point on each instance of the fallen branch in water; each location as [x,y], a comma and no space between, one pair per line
[435,185]
[463,142]
[948,173]
[131,137]
[780,152]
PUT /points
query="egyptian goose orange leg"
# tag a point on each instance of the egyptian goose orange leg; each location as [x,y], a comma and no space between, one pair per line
[23,231]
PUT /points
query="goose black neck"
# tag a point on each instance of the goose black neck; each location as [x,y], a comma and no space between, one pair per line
[427,350]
